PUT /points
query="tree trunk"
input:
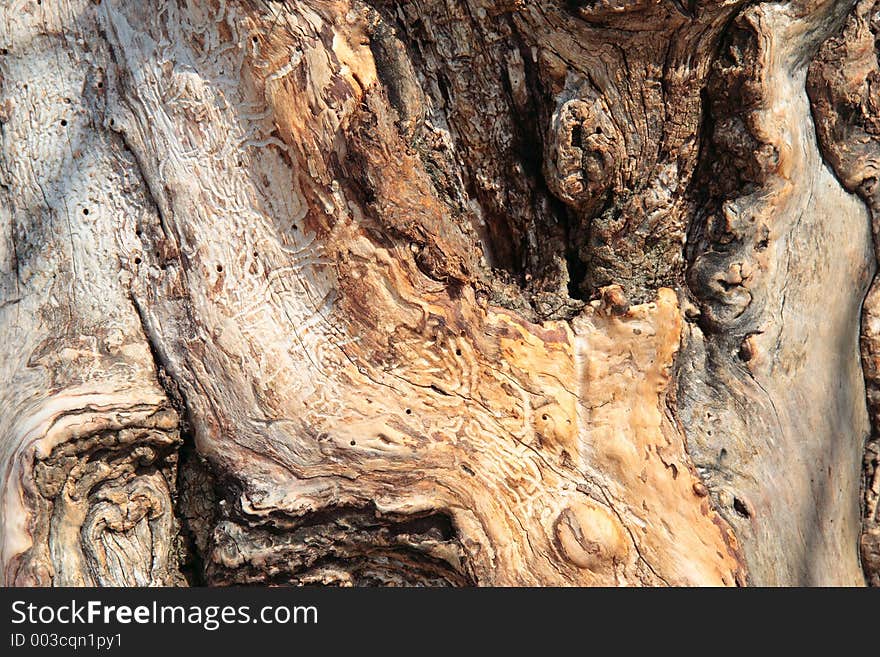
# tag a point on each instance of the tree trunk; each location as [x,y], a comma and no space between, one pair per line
[442,292]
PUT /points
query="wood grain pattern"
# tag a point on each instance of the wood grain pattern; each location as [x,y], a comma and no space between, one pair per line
[434,293]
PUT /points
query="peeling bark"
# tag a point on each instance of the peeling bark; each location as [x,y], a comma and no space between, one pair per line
[438,292]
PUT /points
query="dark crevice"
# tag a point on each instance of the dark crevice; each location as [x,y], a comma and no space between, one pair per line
[577,275]
[359,544]
[398,567]
[741,508]
[194,513]
[529,148]
[526,225]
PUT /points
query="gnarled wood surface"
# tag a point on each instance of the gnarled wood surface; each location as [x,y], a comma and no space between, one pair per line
[441,292]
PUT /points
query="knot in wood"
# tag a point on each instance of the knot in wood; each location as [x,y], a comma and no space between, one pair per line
[614,300]
[583,152]
[590,537]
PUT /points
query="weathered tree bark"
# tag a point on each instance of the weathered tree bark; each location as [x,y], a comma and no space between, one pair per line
[441,292]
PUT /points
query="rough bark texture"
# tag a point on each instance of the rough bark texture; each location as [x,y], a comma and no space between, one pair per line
[439,292]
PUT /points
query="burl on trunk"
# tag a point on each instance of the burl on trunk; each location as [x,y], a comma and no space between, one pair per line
[442,292]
